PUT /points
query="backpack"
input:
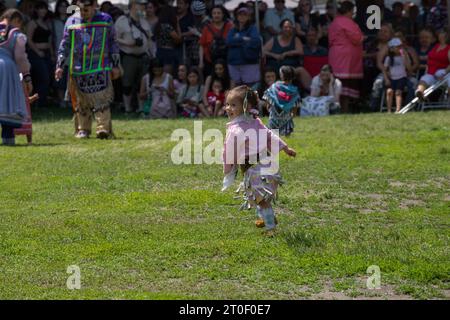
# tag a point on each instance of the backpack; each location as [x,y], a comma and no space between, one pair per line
[218,48]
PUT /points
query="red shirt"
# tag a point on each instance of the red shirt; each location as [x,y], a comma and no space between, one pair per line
[212,97]
[438,59]
[207,38]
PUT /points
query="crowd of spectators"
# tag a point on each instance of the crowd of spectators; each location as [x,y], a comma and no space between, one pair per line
[180,60]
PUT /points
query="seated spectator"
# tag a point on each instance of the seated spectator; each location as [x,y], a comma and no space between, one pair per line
[181,78]
[190,100]
[269,77]
[157,92]
[213,39]
[220,73]
[438,64]
[325,94]
[244,50]
[216,99]
[315,56]
[326,85]
[305,20]
[427,40]
[284,49]
[274,17]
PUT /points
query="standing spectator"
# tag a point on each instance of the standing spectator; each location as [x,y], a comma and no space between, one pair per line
[2,7]
[274,17]
[58,23]
[40,52]
[168,37]
[325,20]
[438,16]
[133,35]
[198,10]
[13,60]
[305,20]
[186,22]
[395,73]
[213,40]
[416,26]
[265,34]
[426,6]
[399,22]
[151,15]
[106,7]
[284,49]
[244,43]
[346,53]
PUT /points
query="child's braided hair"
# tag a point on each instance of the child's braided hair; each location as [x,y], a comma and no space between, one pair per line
[248,97]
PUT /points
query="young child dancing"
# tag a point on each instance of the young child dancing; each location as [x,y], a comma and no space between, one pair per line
[283,101]
[250,145]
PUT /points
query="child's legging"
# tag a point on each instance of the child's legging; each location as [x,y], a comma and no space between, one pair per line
[268,215]
[7,134]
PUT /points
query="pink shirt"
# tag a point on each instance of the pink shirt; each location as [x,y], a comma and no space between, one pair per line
[346,48]
[246,138]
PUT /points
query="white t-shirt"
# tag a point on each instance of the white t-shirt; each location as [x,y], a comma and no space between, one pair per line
[398,70]
[128,32]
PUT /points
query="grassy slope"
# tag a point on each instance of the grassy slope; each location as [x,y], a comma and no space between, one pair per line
[363,190]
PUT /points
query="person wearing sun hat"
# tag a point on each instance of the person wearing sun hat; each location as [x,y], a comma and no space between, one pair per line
[90,47]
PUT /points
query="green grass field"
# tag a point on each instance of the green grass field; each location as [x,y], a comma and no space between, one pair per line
[364,190]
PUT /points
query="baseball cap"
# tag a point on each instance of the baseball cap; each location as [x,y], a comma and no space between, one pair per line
[198,8]
[394,42]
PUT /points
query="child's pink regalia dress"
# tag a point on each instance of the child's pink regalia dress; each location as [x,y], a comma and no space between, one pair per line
[252,146]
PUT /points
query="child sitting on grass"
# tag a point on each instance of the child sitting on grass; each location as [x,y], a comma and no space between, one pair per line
[216,99]
[283,101]
[247,143]
[190,97]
